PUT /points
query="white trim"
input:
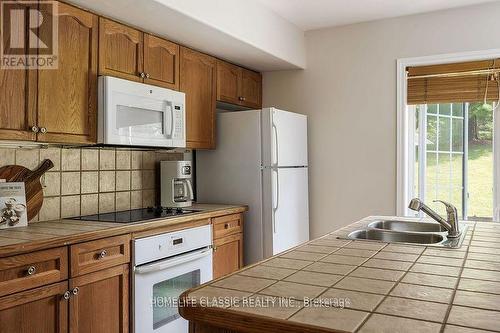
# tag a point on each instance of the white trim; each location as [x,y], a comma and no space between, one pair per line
[402,119]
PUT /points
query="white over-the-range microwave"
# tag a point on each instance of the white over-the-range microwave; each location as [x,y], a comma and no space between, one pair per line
[138,114]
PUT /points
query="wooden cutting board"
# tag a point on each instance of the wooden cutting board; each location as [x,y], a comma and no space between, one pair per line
[31,179]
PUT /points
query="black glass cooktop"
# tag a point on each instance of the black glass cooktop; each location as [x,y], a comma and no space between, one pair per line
[136,215]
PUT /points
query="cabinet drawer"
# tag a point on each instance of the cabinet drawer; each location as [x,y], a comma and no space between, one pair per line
[227,225]
[26,271]
[100,254]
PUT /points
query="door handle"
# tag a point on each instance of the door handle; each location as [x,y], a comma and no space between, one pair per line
[276,146]
[276,205]
[164,264]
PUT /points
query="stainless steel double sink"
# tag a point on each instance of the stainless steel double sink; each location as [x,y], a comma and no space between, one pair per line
[409,232]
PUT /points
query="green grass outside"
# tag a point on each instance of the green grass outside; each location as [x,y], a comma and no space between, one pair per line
[480,178]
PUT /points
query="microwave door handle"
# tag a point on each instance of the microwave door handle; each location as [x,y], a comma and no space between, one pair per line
[164,264]
[171,121]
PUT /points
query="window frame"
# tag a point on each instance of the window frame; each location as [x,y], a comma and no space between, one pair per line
[403,123]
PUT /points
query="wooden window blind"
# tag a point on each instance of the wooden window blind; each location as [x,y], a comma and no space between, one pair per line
[450,83]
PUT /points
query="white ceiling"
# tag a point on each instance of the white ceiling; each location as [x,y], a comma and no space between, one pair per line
[315,14]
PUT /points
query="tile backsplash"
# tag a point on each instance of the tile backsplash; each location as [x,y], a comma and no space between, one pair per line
[88,181]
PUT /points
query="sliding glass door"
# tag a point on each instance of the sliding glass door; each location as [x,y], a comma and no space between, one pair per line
[452,149]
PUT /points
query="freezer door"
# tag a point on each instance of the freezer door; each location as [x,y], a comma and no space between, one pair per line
[289,211]
[284,138]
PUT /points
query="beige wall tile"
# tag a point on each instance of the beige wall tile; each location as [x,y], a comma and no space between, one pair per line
[52,184]
[106,202]
[135,199]
[7,156]
[90,159]
[28,158]
[136,180]
[70,159]
[148,160]
[122,201]
[51,209]
[106,181]
[70,183]
[148,198]
[90,204]
[106,159]
[123,159]
[136,160]
[53,154]
[122,180]
[90,182]
[148,179]
[70,206]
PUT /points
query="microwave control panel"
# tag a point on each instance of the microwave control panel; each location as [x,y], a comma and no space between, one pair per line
[178,125]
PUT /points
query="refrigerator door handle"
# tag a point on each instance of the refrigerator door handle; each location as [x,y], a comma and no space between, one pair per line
[275,207]
[276,145]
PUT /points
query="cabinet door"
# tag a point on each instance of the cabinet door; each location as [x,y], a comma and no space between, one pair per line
[228,255]
[41,310]
[18,90]
[100,301]
[120,50]
[198,82]
[161,62]
[67,96]
[251,89]
[228,82]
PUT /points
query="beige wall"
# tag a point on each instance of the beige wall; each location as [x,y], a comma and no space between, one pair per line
[349,92]
[90,181]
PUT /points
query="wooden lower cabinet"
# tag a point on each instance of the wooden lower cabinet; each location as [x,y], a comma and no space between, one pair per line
[40,310]
[100,301]
[228,255]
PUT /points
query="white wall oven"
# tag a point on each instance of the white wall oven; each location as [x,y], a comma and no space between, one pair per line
[164,267]
[138,114]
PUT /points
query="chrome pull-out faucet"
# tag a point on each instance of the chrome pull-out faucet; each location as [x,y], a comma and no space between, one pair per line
[451,225]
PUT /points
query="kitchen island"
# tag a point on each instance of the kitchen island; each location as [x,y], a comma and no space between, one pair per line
[332,284]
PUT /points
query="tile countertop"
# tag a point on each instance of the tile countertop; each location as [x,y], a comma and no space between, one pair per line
[42,235]
[337,285]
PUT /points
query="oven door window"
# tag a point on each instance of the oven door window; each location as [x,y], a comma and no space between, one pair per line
[164,293]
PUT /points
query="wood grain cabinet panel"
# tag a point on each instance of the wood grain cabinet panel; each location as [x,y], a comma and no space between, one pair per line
[41,310]
[31,270]
[198,82]
[100,301]
[239,86]
[251,89]
[120,50]
[67,96]
[227,225]
[99,254]
[227,255]
[18,90]
[161,62]
[228,82]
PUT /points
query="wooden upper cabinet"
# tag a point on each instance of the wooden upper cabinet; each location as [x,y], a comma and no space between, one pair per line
[228,82]
[100,301]
[17,92]
[251,89]
[41,310]
[238,86]
[198,82]
[67,96]
[120,50]
[161,62]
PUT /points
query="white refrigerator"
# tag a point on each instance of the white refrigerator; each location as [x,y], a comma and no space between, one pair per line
[261,161]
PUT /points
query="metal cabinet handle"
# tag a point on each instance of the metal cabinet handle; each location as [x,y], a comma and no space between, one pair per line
[241,98]
[143,75]
[147,75]
[226,226]
[31,270]
[75,291]
[66,295]
[103,254]
[43,130]
[214,248]
[35,129]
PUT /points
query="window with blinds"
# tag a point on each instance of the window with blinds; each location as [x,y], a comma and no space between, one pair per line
[452,83]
